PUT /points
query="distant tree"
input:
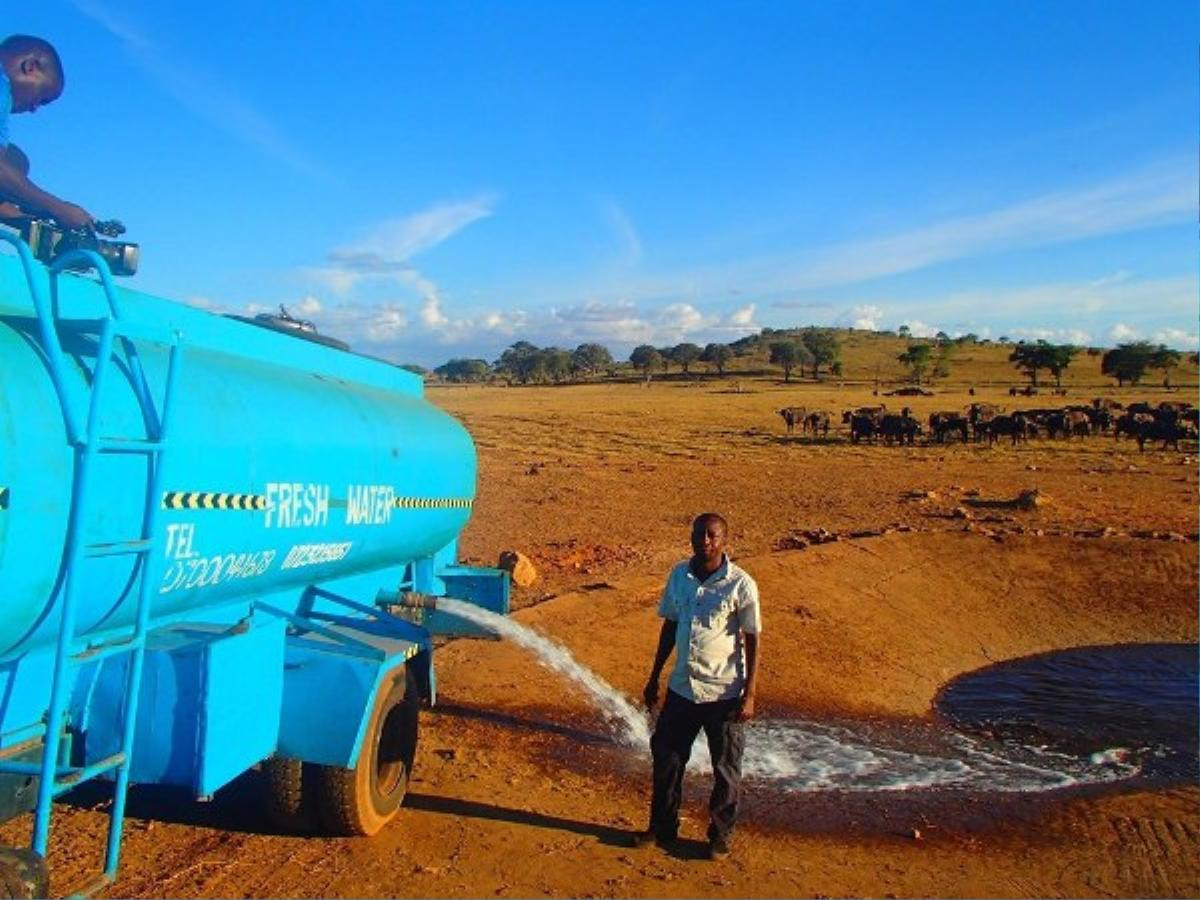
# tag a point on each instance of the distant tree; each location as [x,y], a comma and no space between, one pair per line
[836,369]
[1165,359]
[969,338]
[591,358]
[1194,359]
[1128,362]
[788,355]
[942,338]
[555,364]
[458,370]
[684,355]
[1058,360]
[522,361]
[823,347]
[717,356]
[942,360]
[416,370]
[646,358]
[1003,339]
[904,331]
[1032,358]
[917,358]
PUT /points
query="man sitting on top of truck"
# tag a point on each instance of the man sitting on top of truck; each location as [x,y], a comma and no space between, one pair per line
[31,75]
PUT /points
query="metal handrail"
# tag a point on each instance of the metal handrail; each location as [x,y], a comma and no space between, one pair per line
[49,333]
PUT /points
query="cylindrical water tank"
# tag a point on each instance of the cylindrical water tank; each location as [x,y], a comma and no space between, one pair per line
[288,463]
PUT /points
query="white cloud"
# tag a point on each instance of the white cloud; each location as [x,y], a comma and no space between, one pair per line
[396,241]
[1159,194]
[1076,336]
[1177,338]
[385,323]
[742,319]
[679,319]
[920,329]
[1156,195]
[865,317]
[308,306]
[1120,332]
[1117,277]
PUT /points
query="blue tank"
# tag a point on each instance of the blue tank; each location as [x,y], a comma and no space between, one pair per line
[289,462]
[236,513]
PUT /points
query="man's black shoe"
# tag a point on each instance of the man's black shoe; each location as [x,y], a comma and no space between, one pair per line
[718,848]
[645,838]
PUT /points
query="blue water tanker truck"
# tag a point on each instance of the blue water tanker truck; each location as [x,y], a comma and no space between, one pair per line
[218,542]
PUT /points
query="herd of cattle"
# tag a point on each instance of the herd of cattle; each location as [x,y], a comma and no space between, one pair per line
[1167,422]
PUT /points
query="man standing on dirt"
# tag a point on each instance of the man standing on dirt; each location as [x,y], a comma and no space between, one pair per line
[711,618]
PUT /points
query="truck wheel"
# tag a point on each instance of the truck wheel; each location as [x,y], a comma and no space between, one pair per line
[288,789]
[363,799]
[23,874]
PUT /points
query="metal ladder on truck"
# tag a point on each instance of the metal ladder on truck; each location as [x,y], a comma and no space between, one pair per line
[56,777]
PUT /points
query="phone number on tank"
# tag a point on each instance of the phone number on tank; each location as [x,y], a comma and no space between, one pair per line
[210,570]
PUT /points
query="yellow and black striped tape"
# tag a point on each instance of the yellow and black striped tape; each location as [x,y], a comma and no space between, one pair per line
[211,500]
[433,503]
[214,500]
[3,498]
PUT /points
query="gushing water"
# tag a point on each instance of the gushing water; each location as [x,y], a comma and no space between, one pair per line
[631,724]
[805,756]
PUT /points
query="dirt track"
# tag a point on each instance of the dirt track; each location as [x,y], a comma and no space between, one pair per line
[518,790]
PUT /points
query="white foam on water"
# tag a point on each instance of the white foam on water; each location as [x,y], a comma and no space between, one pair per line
[797,755]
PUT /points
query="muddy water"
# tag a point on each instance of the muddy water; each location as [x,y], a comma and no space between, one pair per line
[1138,704]
[797,755]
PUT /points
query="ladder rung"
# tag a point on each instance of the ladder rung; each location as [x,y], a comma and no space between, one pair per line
[129,445]
[19,767]
[76,777]
[119,548]
[110,648]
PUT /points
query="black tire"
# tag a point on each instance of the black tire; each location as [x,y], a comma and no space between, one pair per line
[23,874]
[362,799]
[288,794]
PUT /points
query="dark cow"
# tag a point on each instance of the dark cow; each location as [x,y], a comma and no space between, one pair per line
[1131,424]
[979,414]
[1102,420]
[1014,426]
[1170,433]
[903,429]
[791,415]
[861,427]
[874,413]
[818,420]
[943,425]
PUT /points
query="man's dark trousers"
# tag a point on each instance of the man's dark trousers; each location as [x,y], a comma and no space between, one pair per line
[678,725]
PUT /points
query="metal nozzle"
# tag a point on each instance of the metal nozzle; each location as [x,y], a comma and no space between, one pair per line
[406,600]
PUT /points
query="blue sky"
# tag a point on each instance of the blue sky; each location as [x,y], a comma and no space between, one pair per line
[442,179]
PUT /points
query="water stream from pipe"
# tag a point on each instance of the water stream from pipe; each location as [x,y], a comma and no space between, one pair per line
[799,755]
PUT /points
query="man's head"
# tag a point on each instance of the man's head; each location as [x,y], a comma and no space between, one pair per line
[34,71]
[709,535]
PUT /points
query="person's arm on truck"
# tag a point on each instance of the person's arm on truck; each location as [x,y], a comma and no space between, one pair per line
[16,188]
